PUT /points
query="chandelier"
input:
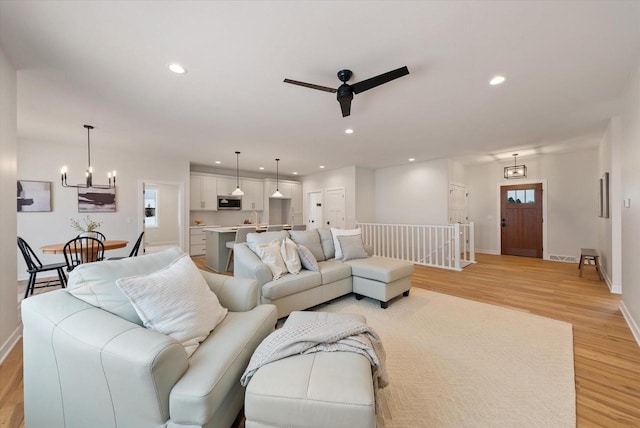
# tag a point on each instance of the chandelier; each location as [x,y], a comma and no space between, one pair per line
[89,172]
[515,171]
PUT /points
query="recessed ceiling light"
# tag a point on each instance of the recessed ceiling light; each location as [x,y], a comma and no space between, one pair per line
[177,68]
[218,162]
[497,80]
[411,159]
[261,168]
[321,166]
[295,172]
[348,131]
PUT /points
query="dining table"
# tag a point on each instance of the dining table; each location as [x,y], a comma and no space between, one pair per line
[109,244]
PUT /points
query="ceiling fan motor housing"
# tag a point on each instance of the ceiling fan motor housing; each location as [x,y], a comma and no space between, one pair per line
[345,92]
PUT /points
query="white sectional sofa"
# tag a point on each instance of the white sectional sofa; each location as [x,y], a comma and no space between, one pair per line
[380,278]
[87,366]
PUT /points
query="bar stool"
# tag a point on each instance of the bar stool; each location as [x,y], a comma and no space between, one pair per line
[588,255]
[241,236]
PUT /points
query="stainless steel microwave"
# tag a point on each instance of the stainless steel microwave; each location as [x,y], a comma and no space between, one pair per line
[229,202]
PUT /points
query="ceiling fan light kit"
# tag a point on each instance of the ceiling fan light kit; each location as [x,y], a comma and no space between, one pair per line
[89,172]
[345,91]
[515,171]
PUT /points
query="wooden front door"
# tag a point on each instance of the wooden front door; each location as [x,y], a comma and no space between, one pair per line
[521,220]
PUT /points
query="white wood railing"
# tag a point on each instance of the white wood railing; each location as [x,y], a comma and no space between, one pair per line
[449,247]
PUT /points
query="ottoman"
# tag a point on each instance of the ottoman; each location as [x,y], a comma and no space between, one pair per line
[381,278]
[320,390]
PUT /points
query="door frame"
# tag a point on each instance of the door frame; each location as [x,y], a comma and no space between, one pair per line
[306,209]
[545,222]
[180,208]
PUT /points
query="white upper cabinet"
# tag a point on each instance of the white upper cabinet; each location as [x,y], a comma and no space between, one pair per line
[203,193]
[253,199]
[226,185]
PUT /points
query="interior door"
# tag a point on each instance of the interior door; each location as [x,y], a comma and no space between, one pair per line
[314,210]
[335,208]
[521,220]
[458,207]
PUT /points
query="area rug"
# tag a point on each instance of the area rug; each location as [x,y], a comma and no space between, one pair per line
[457,363]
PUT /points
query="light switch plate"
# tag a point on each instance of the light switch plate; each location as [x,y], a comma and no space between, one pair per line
[627,202]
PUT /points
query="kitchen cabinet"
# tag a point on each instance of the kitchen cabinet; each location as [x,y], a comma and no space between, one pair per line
[253,199]
[202,190]
[197,241]
[226,185]
[296,204]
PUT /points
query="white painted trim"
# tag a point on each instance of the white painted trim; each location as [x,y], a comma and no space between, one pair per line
[483,251]
[305,204]
[545,220]
[183,228]
[633,325]
[8,345]
[614,289]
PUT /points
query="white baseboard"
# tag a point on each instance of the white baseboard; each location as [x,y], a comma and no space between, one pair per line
[492,252]
[635,330]
[8,345]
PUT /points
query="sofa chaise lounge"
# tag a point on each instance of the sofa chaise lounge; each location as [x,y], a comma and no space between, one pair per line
[380,278]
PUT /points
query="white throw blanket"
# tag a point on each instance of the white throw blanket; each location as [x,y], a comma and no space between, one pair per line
[330,336]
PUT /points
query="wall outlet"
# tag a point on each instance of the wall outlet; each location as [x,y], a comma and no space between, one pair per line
[627,202]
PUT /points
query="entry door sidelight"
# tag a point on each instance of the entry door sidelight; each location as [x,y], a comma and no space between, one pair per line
[521,220]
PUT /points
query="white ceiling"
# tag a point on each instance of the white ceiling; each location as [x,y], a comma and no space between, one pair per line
[105,63]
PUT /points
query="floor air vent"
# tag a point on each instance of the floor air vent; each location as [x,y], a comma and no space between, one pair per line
[568,259]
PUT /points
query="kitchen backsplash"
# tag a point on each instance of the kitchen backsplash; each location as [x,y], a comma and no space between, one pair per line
[222,218]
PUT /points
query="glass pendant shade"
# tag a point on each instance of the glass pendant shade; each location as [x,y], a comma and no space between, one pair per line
[237,191]
[277,193]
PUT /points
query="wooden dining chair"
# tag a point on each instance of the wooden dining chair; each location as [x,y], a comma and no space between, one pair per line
[98,235]
[81,250]
[241,236]
[134,250]
[35,266]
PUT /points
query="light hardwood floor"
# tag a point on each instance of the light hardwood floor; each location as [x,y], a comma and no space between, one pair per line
[607,358]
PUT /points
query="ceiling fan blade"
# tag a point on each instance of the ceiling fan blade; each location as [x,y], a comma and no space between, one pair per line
[345,105]
[365,85]
[311,85]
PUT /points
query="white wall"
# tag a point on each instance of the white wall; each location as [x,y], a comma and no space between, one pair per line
[345,178]
[413,194]
[365,195]
[609,228]
[9,318]
[41,160]
[630,217]
[572,200]
[167,232]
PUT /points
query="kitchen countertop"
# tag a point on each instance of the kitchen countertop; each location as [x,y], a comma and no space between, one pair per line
[224,229]
[201,226]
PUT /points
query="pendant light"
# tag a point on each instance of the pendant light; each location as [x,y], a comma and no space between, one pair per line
[238,191]
[88,172]
[277,193]
[515,171]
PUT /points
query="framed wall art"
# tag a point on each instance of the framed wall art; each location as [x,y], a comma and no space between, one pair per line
[92,200]
[34,196]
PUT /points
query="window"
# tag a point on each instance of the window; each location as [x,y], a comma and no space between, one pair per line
[525,196]
[150,207]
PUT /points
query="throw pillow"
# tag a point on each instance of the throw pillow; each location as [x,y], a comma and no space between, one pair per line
[307,259]
[270,255]
[352,247]
[342,232]
[289,252]
[311,240]
[175,301]
[326,239]
[256,239]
